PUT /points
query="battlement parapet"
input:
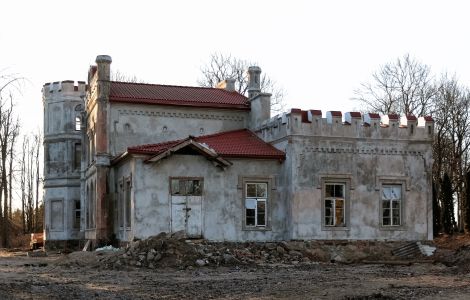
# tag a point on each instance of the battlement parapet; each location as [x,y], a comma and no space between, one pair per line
[63,88]
[354,125]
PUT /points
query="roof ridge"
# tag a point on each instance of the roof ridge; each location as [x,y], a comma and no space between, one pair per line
[178,86]
[154,144]
[219,133]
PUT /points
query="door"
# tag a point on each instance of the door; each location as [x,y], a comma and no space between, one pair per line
[186,206]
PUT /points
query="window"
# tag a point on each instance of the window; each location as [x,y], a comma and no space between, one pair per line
[78,123]
[186,187]
[76,215]
[120,208]
[77,156]
[256,196]
[391,205]
[57,215]
[335,205]
[127,201]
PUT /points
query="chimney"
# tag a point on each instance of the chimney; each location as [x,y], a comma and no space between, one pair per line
[103,63]
[260,103]
[254,81]
[227,84]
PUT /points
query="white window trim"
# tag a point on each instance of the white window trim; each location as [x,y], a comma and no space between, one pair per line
[271,186]
[335,179]
[403,185]
[257,200]
[334,199]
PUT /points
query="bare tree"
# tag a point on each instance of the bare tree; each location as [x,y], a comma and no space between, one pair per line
[403,87]
[123,77]
[221,67]
[8,133]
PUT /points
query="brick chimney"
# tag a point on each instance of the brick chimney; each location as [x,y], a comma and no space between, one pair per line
[227,84]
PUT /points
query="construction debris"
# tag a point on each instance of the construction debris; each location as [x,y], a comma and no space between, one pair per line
[165,250]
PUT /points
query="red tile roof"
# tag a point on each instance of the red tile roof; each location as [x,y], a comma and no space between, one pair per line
[335,113]
[315,112]
[355,114]
[295,110]
[393,117]
[237,143]
[374,115]
[305,117]
[140,93]
[411,118]
[428,119]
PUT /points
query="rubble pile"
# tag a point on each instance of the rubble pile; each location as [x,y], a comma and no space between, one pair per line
[175,250]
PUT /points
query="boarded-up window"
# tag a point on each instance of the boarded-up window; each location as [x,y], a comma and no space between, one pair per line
[57,215]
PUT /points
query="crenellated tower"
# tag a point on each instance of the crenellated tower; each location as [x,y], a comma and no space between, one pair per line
[63,106]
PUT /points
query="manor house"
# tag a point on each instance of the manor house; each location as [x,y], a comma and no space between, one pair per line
[126,161]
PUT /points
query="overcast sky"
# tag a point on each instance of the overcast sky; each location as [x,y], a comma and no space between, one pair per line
[318,51]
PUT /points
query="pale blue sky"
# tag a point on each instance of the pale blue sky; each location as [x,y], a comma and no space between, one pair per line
[319,51]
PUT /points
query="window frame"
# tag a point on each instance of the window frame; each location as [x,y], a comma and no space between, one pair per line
[402,202]
[127,202]
[182,178]
[270,199]
[346,183]
[258,200]
[75,211]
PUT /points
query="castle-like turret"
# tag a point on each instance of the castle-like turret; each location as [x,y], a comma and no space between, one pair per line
[63,105]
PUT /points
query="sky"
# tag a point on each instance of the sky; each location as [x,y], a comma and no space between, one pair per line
[319,52]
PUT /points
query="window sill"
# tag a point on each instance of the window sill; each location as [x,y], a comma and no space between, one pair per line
[393,228]
[333,228]
[248,228]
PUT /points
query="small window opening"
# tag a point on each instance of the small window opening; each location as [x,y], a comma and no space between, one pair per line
[412,128]
[78,123]
[429,130]
[77,215]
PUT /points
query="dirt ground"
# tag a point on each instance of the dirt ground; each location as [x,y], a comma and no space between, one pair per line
[82,275]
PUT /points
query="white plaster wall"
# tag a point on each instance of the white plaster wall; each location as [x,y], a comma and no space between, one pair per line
[222,197]
[364,163]
[135,124]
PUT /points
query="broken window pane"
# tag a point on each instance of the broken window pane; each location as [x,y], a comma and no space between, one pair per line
[334,209]
[329,190]
[251,190]
[250,217]
[261,190]
[250,204]
[261,213]
[391,205]
[175,187]
[339,212]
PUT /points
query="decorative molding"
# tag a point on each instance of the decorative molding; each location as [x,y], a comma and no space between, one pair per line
[181,115]
[363,150]
[321,178]
[379,179]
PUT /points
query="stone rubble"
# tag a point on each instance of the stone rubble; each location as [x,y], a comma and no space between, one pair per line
[175,250]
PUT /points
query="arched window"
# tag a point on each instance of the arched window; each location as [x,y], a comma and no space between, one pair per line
[78,123]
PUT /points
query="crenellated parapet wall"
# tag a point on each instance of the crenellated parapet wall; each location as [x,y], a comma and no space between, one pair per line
[58,89]
[353,125]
